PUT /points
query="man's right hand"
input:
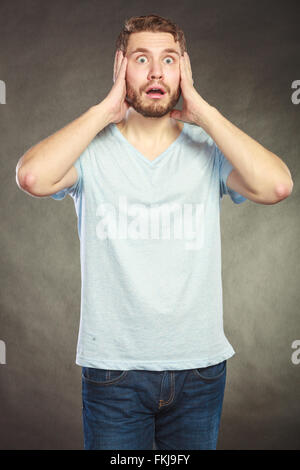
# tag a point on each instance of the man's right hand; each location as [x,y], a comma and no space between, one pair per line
[48,166]
[116,99]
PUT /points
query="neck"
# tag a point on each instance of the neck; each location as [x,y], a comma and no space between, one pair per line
[152,131]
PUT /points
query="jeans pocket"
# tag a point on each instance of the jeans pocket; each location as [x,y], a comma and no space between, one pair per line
[102,376]
[211,373]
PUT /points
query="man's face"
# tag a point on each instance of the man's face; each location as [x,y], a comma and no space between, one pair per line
[155,67]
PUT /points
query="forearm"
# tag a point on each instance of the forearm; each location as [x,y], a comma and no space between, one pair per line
[49,160]
[262,170]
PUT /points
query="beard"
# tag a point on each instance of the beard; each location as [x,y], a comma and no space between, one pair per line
[151,108]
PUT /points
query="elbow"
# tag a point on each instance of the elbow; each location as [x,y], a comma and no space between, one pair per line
[24,179]
[284,190]
[31,183]
[274,194]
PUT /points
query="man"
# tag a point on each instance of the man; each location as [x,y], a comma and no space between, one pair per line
[147,181]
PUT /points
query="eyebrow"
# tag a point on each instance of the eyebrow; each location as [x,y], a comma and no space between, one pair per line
[142,49]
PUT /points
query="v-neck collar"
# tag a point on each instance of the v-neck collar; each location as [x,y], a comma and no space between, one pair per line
[156,160]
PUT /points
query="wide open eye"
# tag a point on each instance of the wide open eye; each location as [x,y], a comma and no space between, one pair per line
[142,57]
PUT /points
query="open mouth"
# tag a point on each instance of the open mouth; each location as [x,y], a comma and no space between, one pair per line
[155,93]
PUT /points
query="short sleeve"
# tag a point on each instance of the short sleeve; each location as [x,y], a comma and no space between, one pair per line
[225,169]
[75,190]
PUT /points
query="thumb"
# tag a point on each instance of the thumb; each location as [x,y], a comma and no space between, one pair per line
[175,114]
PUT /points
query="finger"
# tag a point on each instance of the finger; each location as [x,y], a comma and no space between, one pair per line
[122,69]
[120,62]
[188,66]
[115,64]
[183,66]
[188,61]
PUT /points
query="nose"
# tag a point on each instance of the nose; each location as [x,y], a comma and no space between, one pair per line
[156,75]
[155,71]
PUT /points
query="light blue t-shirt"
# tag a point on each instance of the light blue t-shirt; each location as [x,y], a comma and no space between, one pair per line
[150,251]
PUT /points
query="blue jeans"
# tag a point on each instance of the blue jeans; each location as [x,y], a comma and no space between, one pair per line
[135,409]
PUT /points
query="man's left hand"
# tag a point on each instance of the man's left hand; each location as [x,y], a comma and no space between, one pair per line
[193,104]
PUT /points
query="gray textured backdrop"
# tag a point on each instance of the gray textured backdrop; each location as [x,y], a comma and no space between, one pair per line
[56,60]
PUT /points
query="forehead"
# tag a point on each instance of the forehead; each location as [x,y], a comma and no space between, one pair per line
[152,41]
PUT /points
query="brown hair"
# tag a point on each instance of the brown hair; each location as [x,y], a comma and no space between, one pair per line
[153,23]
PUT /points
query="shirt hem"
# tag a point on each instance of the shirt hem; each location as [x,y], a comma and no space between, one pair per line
[153,365]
